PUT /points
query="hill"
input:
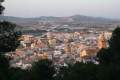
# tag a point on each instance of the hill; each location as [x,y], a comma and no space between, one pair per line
[74,18]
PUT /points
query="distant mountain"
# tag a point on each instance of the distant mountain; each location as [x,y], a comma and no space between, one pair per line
[81,18]
[74,18]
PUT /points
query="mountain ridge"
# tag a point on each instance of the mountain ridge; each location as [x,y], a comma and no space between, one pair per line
[74,18]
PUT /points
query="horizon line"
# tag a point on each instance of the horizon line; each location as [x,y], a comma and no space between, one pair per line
[62,16]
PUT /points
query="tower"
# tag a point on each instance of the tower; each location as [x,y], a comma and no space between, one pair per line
[102,41]
[67,47]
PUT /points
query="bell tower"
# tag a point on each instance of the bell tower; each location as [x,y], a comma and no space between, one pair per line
[102,41]
[67,47]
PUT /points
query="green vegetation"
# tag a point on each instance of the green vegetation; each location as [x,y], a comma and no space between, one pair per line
[1,7]
[9,38]
[42,70]
[110,58]
[9,41]
[78,71]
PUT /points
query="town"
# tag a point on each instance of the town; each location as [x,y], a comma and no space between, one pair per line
[61,47]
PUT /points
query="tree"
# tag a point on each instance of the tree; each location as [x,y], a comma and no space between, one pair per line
[18,74]
[4,65]
[8,42]
[1,7]
[62,72]
[81,71]
[111,55]
[108,72]
[42,70]
[114,42]
[104,56]
[9,38]
[1,0]
[109,58]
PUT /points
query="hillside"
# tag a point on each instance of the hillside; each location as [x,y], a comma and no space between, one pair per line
[75,18]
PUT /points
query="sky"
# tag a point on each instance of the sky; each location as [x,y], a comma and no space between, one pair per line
[60,8]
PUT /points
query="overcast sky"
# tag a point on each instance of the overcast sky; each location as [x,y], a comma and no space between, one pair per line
[35,8]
